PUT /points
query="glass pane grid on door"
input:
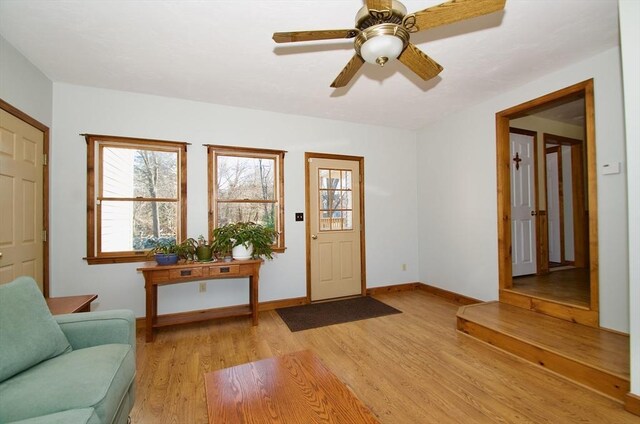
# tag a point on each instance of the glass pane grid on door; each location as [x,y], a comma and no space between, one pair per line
[335,200]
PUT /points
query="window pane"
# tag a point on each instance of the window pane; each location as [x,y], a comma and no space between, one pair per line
[260,213]
[347,220]
[323,175]
[336,197]
[346,180]
[139,173]
[245,178]
[335,178]
[324,198]
[130,226]
[345,200]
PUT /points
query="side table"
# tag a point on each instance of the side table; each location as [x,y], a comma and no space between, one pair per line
[70,304]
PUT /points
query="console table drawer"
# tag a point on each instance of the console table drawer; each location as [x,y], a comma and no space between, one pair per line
[224,270]
[185,273]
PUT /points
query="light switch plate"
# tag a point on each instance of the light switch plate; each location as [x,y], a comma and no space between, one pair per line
[611,168]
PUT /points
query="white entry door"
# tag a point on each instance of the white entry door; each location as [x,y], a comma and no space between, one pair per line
[523,205]
[334,228]
[21,188]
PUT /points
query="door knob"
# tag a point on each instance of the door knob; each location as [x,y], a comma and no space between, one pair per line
[534,213]
[314,236]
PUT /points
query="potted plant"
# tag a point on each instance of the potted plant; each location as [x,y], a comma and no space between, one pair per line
[244,240]
[203,251]
[168,252]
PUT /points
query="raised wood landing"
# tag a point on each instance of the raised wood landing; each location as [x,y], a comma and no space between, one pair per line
[594,357]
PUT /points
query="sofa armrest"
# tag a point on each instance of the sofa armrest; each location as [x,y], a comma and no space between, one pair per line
[98,328]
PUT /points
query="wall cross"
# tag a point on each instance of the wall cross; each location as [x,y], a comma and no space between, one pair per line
[517,160]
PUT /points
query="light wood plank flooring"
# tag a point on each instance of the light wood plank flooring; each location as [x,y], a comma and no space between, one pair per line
[409,368]
[565,285]
[596,357]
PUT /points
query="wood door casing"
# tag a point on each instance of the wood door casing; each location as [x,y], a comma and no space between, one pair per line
[345,274]
[589,316]
[23,146]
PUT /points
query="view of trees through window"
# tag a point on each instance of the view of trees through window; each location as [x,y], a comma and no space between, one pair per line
[246,190]
[336,199]
[139,201]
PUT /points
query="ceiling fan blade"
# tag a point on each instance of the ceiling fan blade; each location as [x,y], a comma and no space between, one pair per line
[421,64]
[379,4]
[328,34]
[454,11]
[348,72]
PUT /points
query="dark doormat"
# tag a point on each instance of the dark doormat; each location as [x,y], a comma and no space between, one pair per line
[316,315]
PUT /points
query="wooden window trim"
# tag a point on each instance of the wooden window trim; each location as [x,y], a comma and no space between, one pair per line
[94,257]
[213,150]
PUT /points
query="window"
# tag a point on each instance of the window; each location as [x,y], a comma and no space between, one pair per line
[336,199]
[247,185]
[136,195]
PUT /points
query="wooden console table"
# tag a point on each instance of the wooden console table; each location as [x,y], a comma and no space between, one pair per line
[156,275]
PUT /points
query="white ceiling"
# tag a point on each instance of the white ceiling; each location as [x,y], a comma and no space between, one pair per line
[222,52]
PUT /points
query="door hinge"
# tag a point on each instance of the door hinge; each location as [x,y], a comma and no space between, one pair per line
[45,159]
[44,235]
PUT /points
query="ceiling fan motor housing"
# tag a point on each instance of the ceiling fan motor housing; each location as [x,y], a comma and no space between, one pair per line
[366,18]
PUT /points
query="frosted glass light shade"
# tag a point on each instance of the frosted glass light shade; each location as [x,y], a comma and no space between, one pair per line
[381,46]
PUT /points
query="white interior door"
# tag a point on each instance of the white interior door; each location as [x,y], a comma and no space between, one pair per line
[334,224]
[523,205]
[21,189]
[553,207]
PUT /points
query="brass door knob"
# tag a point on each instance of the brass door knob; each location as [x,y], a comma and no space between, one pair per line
[314,236]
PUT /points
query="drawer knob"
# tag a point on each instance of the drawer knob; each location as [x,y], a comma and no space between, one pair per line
[185,272]
[224,269]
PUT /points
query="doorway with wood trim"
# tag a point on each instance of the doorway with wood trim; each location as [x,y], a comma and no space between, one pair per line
[563,207]
[24,144]
[334,197]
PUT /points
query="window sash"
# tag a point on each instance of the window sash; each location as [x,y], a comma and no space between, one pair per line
[214,152]
[95,190]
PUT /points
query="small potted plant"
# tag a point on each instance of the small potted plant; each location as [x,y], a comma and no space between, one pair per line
[244,240]
[168,252]
[203,251]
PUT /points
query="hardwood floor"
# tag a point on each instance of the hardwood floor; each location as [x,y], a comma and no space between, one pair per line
[409,368]
[566,285]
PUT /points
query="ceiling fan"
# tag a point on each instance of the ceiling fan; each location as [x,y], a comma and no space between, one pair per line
[383,29]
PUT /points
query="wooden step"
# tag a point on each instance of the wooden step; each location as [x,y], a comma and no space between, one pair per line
[594,357]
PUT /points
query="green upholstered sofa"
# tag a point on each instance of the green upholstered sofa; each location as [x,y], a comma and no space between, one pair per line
[66,369]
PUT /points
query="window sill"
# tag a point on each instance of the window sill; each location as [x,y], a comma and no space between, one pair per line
[99,260]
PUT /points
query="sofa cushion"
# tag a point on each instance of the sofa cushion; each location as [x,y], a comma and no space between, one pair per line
[74,416]
[28,332]
[95,377]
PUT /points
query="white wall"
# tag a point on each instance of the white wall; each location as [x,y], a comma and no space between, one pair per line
[23,86]
[457,190]
[629,11]
[390,196]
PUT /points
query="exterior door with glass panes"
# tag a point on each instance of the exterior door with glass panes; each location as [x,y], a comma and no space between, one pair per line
[334,228]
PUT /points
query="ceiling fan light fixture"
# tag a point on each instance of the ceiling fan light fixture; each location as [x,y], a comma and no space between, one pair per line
[381,49]
[382,43]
